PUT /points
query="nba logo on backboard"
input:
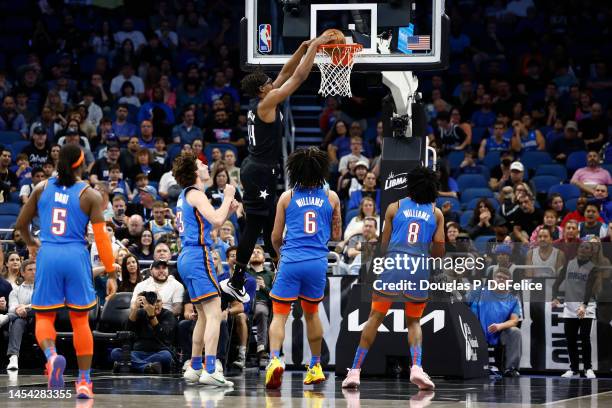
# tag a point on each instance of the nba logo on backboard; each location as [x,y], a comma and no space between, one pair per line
[265,38]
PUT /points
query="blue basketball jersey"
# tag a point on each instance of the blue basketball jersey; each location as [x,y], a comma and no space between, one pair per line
[414,226]
[493,146]
[62,221]
[193,228]
[308,220]
[530,144]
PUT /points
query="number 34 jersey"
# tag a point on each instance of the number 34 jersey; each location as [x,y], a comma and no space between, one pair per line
[308,220]
[413,227]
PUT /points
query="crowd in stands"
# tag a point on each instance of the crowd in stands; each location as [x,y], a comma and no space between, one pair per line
[521,121]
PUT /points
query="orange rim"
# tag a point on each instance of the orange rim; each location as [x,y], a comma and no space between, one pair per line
[352,47]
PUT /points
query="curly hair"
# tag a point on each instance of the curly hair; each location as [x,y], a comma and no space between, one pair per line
[308,168]
[251,83]
[423,185]
[184,169]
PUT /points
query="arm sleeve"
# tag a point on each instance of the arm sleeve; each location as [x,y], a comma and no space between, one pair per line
[103,244]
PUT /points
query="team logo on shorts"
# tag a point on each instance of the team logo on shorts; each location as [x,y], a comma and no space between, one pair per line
[265,38]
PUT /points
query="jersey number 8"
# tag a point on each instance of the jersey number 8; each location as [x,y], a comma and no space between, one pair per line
[413,232]
[310,222]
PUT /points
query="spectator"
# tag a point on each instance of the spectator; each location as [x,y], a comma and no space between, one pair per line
[499,313]
[503,259]
[555,203]
[218,89]
[601,198]
[5,291]
[198,150]
[526,219]
[162,222]
[169,290]
[448,185]
[525,138]
[101,168]
[592,224]
[229,158]
[144,248]
[546,259]
[450,136]
[168,38]
[187,131]
[116,184]
[8,179]
[495,143]
[157,100]
[594,129]
[22,169]
[369,190]
[38,151]
[128,33]
[123,129]
[355,154]
[578,308]
[337,142]
[74,137]
[168,187]
[119,219]
[484,220]
[94,112]
[127,74]
[354,245]
[221,131]
[561,148]
[501,174]
[38,175]
[484,117]
[227,232]
[215,192]
[264,279]
[509,202]
[569,243]
[130,273]
[367,208]
[352,181]
[586,178]
[20,313]
[154,329]
[550,221]
[12,269]
[10,119]
[129,235]
[146,165]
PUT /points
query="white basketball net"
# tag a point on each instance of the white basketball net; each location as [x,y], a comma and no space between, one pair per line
[336,64]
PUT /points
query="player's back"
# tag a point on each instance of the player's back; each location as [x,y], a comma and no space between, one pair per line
[308,219]
[264,138]
[62,221]
[193,228]
[414,226]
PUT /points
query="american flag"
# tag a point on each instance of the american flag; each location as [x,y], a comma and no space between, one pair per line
[419,42]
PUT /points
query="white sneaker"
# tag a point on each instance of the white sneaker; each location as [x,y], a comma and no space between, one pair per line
[14,364]
[590,374]
[570,374]
[216,379]
[186,364]
[3,319]
[218,366]
[192,376]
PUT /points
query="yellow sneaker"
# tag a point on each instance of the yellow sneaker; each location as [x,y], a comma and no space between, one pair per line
[314,375]
[274,373]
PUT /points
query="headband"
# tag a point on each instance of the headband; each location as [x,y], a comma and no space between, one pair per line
[79,162]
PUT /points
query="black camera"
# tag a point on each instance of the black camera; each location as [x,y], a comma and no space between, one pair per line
[151,297]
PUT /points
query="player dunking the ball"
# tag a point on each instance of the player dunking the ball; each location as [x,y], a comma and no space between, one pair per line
[310,213]
[258,172]
[195,219]
[411,224]
[65,206]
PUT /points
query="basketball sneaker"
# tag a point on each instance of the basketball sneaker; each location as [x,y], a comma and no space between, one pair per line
[215,379]
[237,293]
[419,378]
[570,374]
[590,374]
[55,371]
[274,373]
[84,389]
[314,375]
[352,379]
[192,376]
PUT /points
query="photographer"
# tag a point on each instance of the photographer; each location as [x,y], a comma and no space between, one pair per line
[169,289]
[154,327]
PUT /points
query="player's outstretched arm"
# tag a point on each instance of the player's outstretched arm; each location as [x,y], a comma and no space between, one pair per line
[217,217]
[388,228]
[291,65]
[336,216]
[438,249]
[27,214]
[276,96]
[91,203]
[279,221]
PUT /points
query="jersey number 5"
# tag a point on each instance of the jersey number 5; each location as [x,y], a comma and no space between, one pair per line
[413,232]
[310,222]
[58,222]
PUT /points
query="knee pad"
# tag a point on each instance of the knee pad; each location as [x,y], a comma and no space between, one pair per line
[281,308]
[309,307]
[414,310]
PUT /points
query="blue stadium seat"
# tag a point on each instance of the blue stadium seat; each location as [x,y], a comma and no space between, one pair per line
[15,197]
[478,133]
[173,151]
[466,181]
[481,242]
[472,204]
[9,209]
[7,221]
[570,205]
[491,160]
[478,169]
[349,216]
[17,147]
[455,204]
[607,166]
[455,158]
[531,160]
[222,146]
[471,193]
[576,160]
[552,170]
[465,218]
[8,137]
[567,191]
[544,183]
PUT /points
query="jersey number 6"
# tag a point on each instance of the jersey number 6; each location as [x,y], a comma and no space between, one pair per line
[310,222]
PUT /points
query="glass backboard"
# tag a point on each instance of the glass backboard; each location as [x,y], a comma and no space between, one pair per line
[397,35]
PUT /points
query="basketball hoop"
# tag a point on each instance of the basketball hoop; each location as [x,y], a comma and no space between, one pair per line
[335,61]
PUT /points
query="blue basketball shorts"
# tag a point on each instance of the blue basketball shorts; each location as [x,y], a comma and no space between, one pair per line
[63,278]
[195,265]
[305,280]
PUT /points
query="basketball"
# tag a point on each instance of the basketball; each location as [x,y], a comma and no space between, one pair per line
[337,36]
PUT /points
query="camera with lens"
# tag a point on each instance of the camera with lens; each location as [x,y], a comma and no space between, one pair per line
[151,297]
[399,125]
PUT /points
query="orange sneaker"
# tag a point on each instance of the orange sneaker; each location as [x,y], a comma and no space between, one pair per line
[84,389]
